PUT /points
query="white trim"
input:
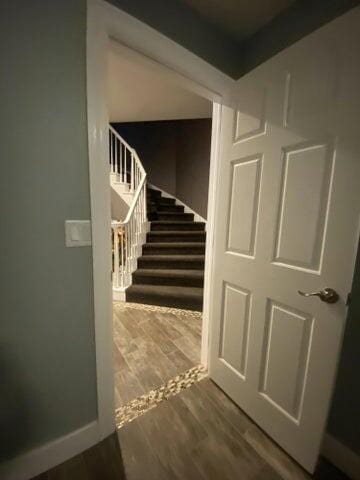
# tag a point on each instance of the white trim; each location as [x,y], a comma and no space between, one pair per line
[104,22]
[197,217]
[47,456]
[209,250]
[341,456]
[165,72]
[97,41]
[139,37]
[119,294]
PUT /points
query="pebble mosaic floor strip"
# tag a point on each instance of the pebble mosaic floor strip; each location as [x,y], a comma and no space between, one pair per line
[141,405]
[155,308]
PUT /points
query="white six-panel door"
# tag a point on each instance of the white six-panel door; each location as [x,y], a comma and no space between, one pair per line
[287,220]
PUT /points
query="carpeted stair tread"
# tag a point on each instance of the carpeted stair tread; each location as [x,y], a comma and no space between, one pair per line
[172,296]
[167,201]
[188,278]
[172,261]
[173,248]
[176,225]
[171,244]
[150,192]
[176,236]
[167,208]
[171,269]
[185,217]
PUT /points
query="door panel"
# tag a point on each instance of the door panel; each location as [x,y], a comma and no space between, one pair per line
[304,196]
[235,327]
[245,186]
[282,360]
[287,220]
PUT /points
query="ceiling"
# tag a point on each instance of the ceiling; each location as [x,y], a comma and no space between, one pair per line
[238,18]
[235,36]
[138,93]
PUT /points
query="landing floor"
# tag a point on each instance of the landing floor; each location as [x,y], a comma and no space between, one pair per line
[187,429]
[151,346]
[198,434]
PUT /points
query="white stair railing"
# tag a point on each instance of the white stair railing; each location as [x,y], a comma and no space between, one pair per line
[129,235]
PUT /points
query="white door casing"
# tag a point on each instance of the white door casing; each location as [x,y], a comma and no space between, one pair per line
[287,219]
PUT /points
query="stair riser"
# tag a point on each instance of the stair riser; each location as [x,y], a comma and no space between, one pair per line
[173,250]
[176,217]
[146,262]
[188,304]
[169,281]
[175,238]
[160,287]
[168,201]
[153,199]
[170,208]
[188,226]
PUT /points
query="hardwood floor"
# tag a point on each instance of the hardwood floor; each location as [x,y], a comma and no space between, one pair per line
[197,435]
[151,346]
[101,462]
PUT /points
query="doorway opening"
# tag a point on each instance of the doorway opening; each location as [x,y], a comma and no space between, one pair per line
[159,155]
[249,127]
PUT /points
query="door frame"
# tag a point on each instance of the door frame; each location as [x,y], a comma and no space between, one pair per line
[108,23]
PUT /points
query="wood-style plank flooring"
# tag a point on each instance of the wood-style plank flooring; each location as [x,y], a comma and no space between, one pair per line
[197,435]
[201,434]
[151,346]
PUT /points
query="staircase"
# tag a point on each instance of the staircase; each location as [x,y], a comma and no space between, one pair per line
[171,268]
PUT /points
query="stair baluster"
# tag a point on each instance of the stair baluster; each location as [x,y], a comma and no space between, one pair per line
[128,235]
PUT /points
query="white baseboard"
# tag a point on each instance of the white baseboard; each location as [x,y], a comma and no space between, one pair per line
[197,217]
[119,294]
[341,456]
[51,454]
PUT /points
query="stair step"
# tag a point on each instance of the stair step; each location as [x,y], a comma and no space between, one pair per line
[190,298]
[167,225]
[169,236]
[153,193]
[188,278]
[174,248]
[178,262]
[167,201]
[161,200]
[174,216]
[165,207]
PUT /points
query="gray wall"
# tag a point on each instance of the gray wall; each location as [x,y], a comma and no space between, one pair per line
[177,21]
[291,25]
[176,156]
[183,25]
[193,164]
[155,144]
[344,420]
[47,356]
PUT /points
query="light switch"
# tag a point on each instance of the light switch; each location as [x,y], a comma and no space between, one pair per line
[74,232]
[77,233]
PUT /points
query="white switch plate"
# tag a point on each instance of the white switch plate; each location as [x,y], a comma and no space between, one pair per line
[77,233]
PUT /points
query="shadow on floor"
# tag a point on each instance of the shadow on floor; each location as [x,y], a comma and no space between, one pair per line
[103,461]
